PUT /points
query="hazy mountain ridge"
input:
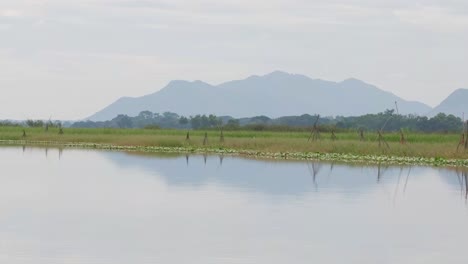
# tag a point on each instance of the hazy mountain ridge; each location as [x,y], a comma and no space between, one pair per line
[275,94]
[456,104]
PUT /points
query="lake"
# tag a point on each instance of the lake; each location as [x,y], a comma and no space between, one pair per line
[86,206]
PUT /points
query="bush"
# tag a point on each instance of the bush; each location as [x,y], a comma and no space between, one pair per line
[34,123]
[152,127]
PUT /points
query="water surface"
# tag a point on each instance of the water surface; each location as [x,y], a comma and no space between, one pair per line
[83,206]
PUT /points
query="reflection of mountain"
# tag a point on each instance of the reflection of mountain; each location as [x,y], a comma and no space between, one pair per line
[272,177]
[276,177]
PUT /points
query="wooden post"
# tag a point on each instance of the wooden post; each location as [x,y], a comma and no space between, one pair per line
[461,142]
[402,137]
[333,136]
[466,135]
[221,137]
[380,133]
[361,134]
[463,137]
[315,133]
[381,139]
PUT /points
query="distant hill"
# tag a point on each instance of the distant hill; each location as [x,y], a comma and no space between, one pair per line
[455,104]
[275,94]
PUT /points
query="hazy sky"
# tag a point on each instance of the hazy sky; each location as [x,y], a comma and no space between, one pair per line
[70,58]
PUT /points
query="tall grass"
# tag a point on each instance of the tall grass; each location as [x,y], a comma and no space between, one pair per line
[418,144]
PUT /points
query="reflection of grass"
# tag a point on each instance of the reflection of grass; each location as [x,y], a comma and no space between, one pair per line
[160,155]
[442,146]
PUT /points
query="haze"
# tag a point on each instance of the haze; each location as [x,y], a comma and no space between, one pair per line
[69,59]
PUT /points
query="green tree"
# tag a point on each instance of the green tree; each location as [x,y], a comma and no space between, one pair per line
[145,115]
[123,121]
[183,120]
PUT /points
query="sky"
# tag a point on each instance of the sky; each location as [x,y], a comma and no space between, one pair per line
[67,59]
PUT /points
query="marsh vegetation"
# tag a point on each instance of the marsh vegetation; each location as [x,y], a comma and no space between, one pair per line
[347,145]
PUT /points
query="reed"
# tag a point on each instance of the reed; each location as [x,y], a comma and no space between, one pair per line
[417,144]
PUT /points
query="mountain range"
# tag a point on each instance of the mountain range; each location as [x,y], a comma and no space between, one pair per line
[276,94]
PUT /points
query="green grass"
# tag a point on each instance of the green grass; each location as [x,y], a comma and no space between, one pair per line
[418,145]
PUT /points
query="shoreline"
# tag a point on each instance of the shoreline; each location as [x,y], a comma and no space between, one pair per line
[316,156]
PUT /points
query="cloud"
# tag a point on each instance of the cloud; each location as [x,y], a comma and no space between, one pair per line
[10,13]
[434,18]
[137,46]
[146,4]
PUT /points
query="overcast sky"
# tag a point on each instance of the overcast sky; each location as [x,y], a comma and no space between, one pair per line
[68,59]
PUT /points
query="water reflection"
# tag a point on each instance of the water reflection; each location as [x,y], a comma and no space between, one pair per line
[284,177]
[83,206]
[273,176]
[278,176]
[381,171]
[462,174]
[221,158]
[400,187]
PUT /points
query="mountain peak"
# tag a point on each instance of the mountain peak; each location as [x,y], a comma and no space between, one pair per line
[454,104]
[457,96]
[182,84]
[459,91]
[353,81]
[277,74]
[274,76]
[281,75]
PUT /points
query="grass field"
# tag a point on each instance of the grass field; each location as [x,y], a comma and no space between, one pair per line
[418,145]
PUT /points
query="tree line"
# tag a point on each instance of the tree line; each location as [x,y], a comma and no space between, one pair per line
[147,119]
[370,122]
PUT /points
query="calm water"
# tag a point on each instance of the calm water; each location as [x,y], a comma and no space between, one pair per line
[79,206]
